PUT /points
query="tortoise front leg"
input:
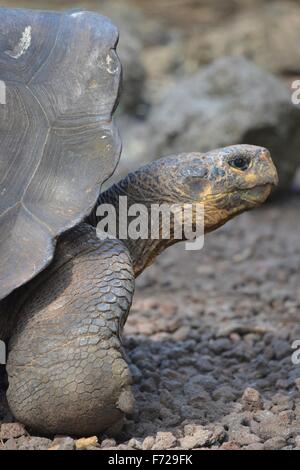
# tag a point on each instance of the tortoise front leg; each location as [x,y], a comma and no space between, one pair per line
[66,368]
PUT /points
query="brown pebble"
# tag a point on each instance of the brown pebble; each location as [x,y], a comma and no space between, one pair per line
[230,445]
[148,443]
[252,400]
[85,442]
[11,430]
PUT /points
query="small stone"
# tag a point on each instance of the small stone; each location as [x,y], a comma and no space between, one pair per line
[164,440]
[264,415]
[34,443]
[199,439]
[11,430]
[256,446]
[219,434]
[182,333]
[219,345]
[135,444]
[268,426]
[85,442]
[280,403]
[148,443]
[10,444]
[274,443]
[205,364]
[235,337]
[297,441]
[243,436]
[121,447]
[230,445]
[108,443]
[286,417]
[252,400]
[62,443]
[190,429]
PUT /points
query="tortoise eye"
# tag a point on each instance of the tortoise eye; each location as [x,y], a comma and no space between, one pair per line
[240,163]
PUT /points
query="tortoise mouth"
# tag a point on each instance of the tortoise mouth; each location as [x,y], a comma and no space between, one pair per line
[257,194]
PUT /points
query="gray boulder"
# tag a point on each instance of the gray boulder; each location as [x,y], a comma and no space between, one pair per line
[232,101]
[138,32]
[127,18]
[267,34]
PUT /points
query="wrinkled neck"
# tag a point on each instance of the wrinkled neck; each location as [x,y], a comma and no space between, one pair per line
[143,251]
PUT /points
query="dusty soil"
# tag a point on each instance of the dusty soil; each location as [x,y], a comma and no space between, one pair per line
[209,338]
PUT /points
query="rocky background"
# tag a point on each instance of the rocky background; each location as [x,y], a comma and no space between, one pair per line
[210,334]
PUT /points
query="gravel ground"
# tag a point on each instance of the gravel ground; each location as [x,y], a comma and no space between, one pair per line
[209,338]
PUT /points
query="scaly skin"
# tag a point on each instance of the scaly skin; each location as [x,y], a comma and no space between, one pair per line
[66,369]
[66,366]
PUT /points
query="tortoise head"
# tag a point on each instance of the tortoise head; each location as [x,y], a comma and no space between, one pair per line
[226,181]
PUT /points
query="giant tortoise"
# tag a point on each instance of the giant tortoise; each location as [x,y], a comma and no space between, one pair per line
[66,291]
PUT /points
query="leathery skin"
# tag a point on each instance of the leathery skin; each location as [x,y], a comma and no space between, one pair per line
[66,367]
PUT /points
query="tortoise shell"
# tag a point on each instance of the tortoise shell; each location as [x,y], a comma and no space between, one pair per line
[59,85]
